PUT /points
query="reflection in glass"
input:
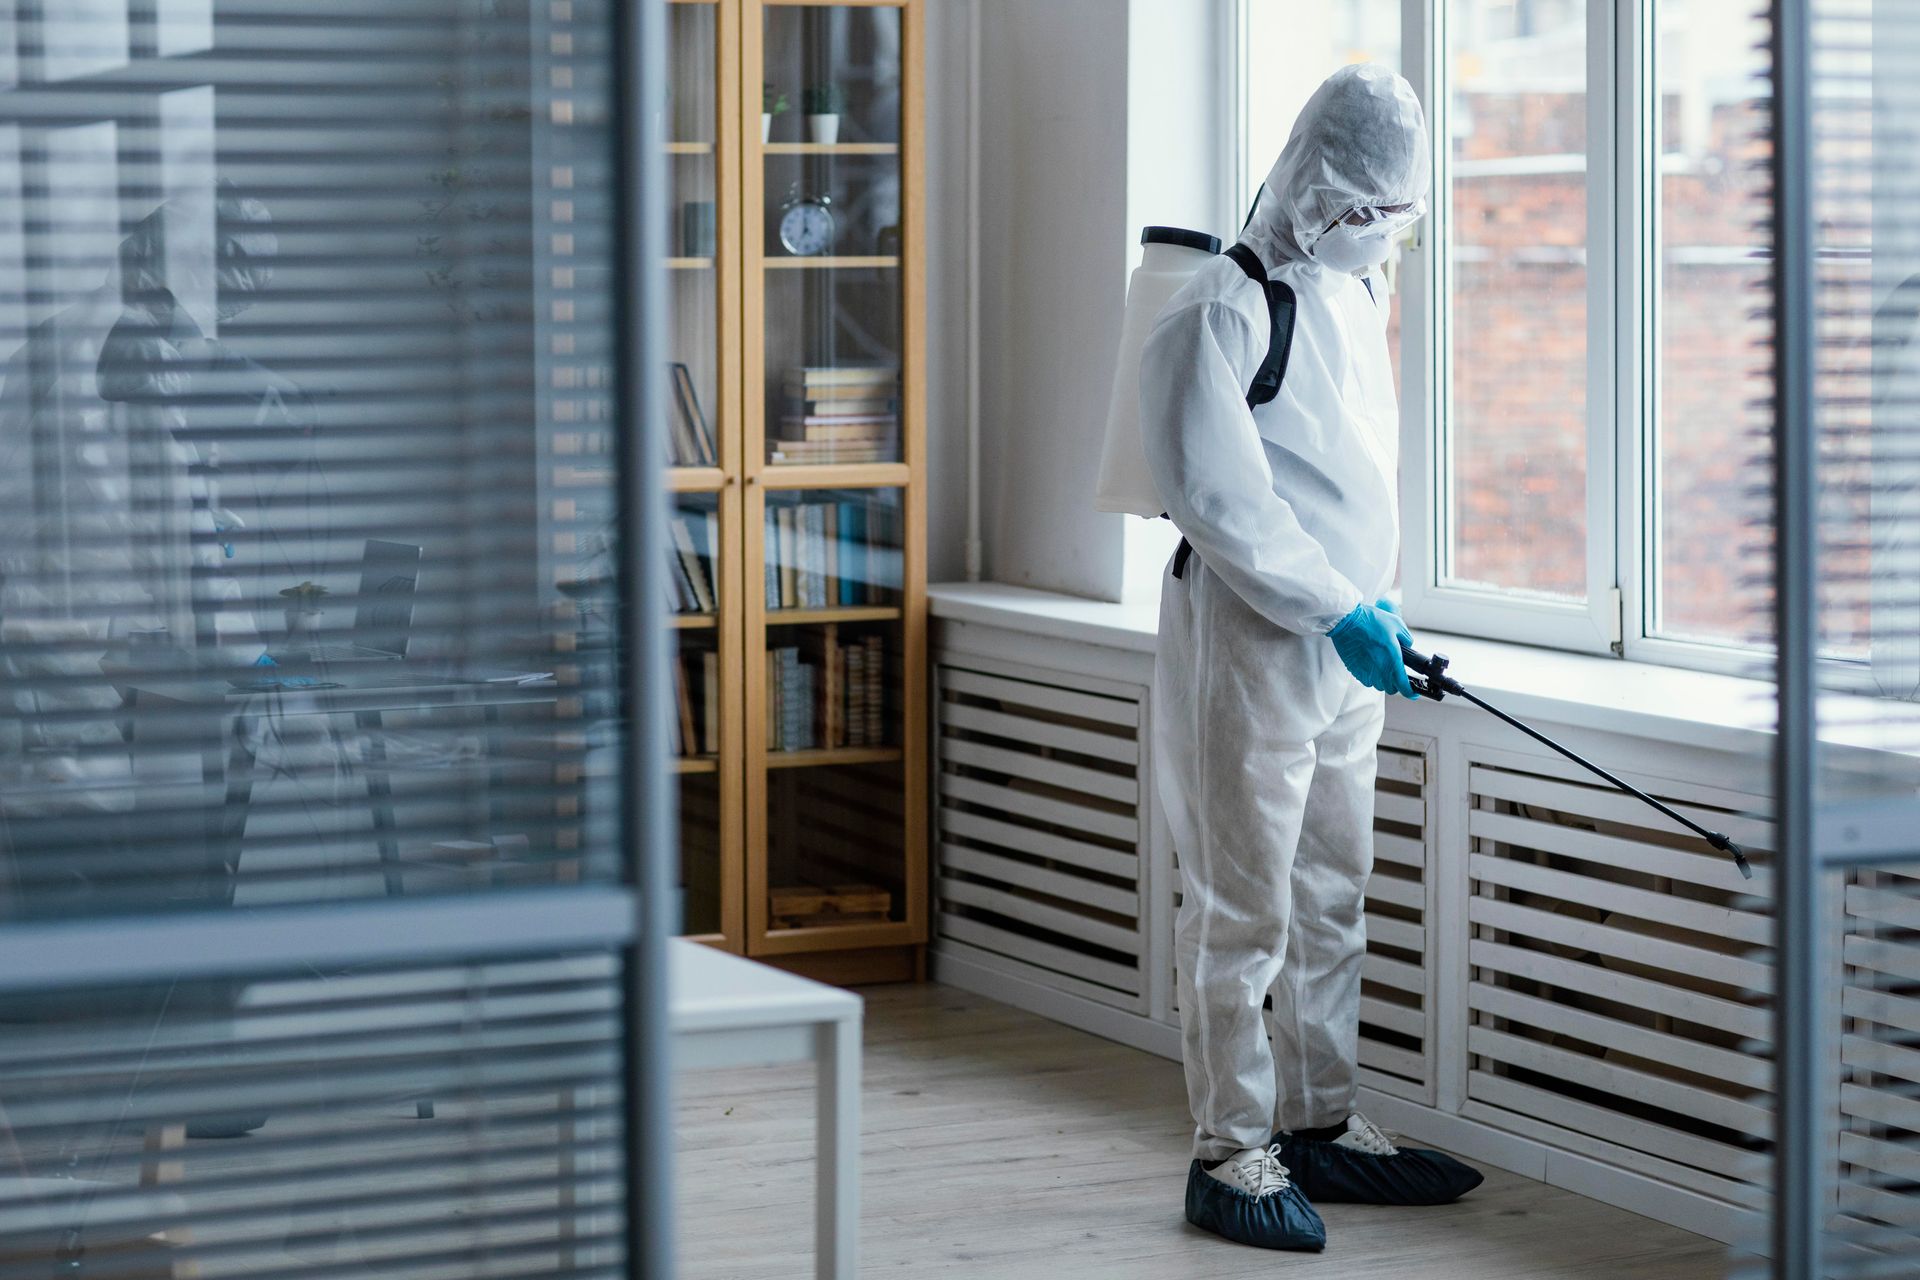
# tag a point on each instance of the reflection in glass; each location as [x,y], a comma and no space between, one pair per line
[1712,577]
[77,37]
[832,365]
[305,465]
[833,62]
[833,549]
[834,835]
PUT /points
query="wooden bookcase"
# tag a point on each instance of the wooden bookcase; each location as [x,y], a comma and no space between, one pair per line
[803,788]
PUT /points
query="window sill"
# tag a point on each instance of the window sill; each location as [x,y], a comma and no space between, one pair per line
[1642,699]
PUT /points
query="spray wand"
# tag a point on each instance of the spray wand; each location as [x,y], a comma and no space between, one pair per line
[1432,681]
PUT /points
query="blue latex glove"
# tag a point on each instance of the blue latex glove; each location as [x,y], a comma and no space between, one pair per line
[1368,641]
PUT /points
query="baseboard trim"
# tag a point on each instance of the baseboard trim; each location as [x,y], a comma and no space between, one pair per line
[956,970]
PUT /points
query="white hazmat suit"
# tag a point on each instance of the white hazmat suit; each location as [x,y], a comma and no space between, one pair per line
[1265,745]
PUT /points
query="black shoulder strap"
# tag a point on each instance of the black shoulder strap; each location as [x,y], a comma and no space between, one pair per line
[1280,311]
[1266,380]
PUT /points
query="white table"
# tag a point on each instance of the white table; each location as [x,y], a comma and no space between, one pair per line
[728,1012]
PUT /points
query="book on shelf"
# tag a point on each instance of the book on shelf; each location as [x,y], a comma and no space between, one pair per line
[693,444]
[839,414]
[835,406]
[869,427]
[831,554]
[873,703]
[693,553]
[696,689]
[825,452]
[856,687]
[826,693]
[837,376]
[798,684]
[685,738]
[710,702]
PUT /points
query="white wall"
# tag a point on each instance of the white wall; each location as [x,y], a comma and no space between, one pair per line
[1091,124]
[946,197]
[1052,279]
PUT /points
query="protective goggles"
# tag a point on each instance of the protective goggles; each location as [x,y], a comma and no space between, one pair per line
[1367,222]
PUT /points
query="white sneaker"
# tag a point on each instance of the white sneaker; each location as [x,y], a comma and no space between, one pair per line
[1254,1170]
[1364,1135]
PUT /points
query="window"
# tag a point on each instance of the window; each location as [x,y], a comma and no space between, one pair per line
[1707,580]
[1580,324]
[1298,47]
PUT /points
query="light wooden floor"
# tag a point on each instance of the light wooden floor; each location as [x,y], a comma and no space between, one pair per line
[999,1144]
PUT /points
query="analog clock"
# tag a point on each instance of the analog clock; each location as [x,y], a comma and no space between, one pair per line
[806,224]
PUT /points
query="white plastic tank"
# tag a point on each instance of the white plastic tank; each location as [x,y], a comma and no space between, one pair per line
[1170,257]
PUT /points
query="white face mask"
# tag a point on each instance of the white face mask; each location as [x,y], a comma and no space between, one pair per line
[1350,249]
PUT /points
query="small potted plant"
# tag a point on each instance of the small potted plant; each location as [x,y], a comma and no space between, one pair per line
[303,607]
[772,103]
[823,103]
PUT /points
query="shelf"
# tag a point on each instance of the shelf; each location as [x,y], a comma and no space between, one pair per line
[696,764]
[848,613]
[827,264]
[689,148]
[839,755]
[695,479]
[689,264]
[831,148]
[692,621]
[835,475]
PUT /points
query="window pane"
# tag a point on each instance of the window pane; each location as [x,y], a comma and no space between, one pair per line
[1290,49]
[1711,573]
[1517,418]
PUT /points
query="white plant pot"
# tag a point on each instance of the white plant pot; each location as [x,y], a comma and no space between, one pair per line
[824,130]
[766,126]
[301,622]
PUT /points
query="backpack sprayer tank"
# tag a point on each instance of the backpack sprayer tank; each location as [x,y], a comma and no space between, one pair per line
[1169,259]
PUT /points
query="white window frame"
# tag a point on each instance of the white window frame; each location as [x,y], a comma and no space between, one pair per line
[1592,625]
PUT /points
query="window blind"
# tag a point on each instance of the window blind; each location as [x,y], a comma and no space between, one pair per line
[310,616]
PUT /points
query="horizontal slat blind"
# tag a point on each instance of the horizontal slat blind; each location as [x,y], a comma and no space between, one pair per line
[459,1120]
[307,618]
[302,308]
[1863,322]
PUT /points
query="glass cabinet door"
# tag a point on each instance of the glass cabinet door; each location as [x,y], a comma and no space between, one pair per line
[828,430]
[825,190]
[704,458]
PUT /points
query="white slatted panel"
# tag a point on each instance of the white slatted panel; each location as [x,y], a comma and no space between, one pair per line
[1617,996]
[1397,998]
[1396,1004]
[1039,839]
[1880,1054]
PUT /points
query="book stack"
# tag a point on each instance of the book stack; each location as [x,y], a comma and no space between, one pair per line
[832,554]
[845,413]
[691,583]
[829,693]
[692,438]
[790,693]
[696,688]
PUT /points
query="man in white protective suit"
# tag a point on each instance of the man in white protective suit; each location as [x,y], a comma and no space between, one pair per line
[1277,646]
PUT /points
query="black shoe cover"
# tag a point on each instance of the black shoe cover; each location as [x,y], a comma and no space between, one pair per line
[1280,1220]
[1333,1174]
